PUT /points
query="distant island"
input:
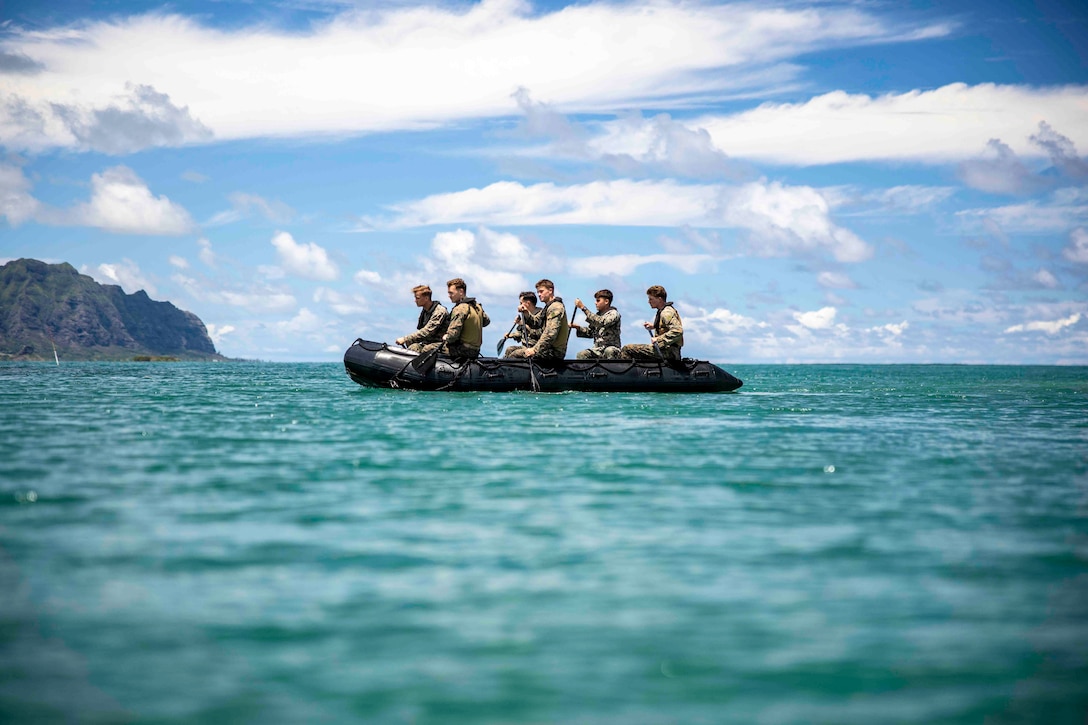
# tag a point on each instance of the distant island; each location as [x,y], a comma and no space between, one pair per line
[42,305]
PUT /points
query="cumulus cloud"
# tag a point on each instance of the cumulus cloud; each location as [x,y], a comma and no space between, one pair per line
[636,145]
[781,219]
[16,202]
[1050,327]
[999,172]
[786,219]
[126,274]
[452,63]
[939,126]
[121,202]
[179,262]
[367,276]
[206,254]
[497,263]
[820,319]
[306,260]
[218,332]
[136,119]
[1077,250]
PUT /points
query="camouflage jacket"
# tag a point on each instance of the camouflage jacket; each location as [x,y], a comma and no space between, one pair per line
[431,326]
[603,328]
[668,330]
[529,329]
[467,321]
[556,328]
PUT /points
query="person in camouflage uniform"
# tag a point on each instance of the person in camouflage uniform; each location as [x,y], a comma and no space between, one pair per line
[667,331]
[465,333]
[528,323]
[603,327]
[552,344]
[432,324]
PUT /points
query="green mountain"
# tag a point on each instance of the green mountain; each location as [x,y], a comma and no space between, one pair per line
[45,304]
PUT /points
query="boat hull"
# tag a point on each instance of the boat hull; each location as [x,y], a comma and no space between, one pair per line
[375,364]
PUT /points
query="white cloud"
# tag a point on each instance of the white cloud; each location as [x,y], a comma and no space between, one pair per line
[787,219]
[307,260]
[344,305]
[172,80]
[218,332]
[255,298]
[625,264]
[366,276]
[1050,327]
[820,319]
[207,256]
[714,324]
[835,280]
[126,274]
[1044,278]
[781,219]
[485,259]
[891,329]
[1077,251]
[951,123]
[179,262]
[16,202]
[121,202]
[244,205]
[1063,210]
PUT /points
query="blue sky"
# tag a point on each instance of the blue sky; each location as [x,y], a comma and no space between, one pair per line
[812,182]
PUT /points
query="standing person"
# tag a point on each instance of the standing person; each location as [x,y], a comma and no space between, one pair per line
[668,331]
[465,333]
[528,322]
[552,344]
[434,318]
[603,326]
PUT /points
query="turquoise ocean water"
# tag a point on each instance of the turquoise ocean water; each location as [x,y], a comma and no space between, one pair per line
[270,543]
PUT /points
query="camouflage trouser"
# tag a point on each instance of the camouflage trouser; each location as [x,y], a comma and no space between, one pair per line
[599,353]
[457,351]
[546,354]
[418,346]
[640,351]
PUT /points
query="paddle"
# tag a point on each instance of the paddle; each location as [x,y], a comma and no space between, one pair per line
[425,363]
[498,348]
[656,348]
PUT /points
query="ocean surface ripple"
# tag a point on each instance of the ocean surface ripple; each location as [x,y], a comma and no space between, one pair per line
[256,542]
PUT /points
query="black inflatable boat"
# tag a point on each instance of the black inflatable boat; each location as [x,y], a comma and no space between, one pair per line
[375,364]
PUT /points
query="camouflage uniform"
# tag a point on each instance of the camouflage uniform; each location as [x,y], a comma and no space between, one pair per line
[552,344]
[430,328]
[604,328]
[528,331]
[465,333]
[668,336]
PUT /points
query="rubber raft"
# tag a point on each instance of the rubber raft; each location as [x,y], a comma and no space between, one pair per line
[377,365]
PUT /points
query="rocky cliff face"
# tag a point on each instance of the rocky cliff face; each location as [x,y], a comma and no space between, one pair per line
[45,304]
